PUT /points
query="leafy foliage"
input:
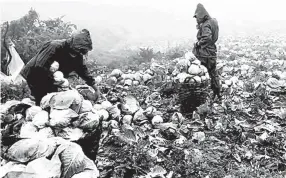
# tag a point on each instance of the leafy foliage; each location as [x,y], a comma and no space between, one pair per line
[29,33]
[174,53]
[14,91]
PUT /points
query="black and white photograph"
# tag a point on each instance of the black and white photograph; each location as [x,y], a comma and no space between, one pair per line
[143,89]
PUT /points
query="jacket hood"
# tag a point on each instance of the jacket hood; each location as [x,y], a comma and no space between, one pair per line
[201,12]
[81,40]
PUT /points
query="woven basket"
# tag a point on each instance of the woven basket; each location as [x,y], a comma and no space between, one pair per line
[190,96]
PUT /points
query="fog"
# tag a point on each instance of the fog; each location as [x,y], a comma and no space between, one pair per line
[151,22]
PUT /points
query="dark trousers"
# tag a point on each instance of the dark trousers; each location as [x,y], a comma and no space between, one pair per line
[39,92]
[210,64]
[40,84]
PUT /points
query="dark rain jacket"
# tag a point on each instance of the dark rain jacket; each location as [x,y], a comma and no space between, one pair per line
[207,36]
[57,50]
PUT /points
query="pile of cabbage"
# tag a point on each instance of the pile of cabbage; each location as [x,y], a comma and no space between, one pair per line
[135,78]
[70,115]
[64,117]
[47,158]
[44,148]
[129,112]
[188,69]
[65,114]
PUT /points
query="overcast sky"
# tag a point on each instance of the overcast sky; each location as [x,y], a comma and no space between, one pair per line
[228,9]
[152,18]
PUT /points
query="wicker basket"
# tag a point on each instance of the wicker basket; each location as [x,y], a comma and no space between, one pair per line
[191,96]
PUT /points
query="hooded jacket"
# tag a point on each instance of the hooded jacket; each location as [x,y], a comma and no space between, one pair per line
[60,51]
[207,36]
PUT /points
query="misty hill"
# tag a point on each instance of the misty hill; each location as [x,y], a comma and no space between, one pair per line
[115,27]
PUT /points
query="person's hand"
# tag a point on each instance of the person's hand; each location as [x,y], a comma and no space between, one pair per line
[97,92]
[196,44]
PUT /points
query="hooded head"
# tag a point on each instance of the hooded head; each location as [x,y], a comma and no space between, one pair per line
[201,13]
[81,42]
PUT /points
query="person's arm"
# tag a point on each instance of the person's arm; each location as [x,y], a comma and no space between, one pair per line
[206,35]
[83,72]
[47,55]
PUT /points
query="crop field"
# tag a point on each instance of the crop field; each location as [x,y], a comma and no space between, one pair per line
[138,130]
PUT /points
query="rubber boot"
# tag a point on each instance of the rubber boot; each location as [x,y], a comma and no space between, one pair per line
[217,97]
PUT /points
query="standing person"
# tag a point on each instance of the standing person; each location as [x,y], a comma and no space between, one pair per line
[205,49]
[69,54]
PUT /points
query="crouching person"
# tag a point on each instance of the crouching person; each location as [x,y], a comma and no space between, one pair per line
[68,53]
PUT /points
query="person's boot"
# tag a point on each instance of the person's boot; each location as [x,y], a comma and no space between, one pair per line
[217,97]
[214,96]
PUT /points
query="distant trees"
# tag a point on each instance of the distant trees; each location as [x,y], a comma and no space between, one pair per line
[29,33]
